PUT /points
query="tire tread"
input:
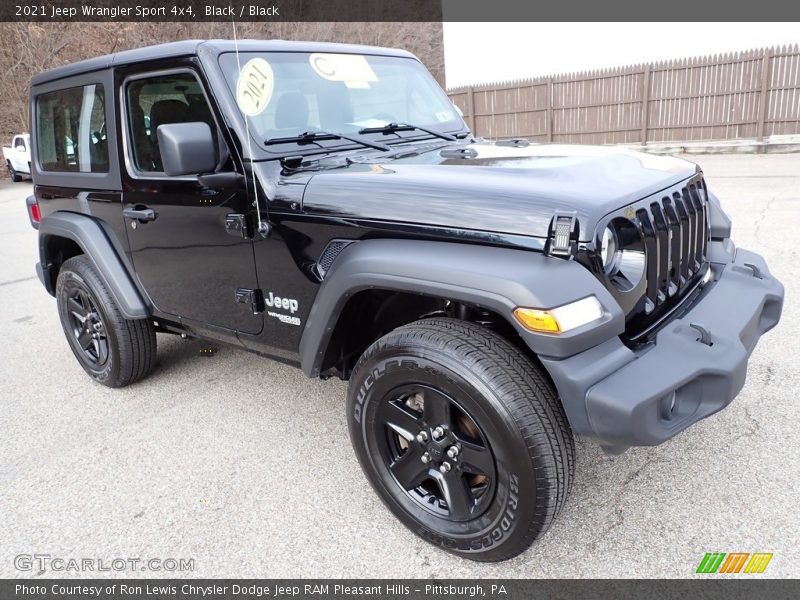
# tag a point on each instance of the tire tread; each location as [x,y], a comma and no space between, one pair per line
[136,338]
[529,397]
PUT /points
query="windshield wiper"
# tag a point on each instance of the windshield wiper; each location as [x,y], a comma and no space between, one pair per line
[309,137]
[395,127]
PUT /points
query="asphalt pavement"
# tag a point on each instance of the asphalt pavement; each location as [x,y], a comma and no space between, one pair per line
[245,466]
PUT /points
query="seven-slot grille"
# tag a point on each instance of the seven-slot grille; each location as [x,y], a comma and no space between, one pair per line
[675,232]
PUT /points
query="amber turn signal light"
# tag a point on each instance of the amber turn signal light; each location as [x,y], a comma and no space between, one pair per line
[561,318]
[537,320]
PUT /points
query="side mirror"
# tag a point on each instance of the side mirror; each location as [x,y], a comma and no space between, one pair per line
[187,148]
[226,179]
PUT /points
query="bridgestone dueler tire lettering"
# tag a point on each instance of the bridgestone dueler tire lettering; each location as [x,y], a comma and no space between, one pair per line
[508,396]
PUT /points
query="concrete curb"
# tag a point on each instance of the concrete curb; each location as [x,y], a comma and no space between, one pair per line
[776,144]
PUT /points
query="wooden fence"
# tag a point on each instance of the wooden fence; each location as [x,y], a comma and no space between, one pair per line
[751,94]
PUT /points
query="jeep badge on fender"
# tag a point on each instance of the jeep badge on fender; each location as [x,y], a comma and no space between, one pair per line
[327,205]
[289,304]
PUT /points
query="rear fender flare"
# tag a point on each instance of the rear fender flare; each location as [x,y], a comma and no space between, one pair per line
[93,241]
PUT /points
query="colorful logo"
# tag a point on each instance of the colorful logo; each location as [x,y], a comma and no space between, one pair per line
[734,562]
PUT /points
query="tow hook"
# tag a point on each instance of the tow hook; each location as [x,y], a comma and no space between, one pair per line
[705,334]
[755,269]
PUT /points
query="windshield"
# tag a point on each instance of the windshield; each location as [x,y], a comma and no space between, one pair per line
[286,94]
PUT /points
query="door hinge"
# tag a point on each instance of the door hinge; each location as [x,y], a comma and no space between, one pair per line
[238,225]
[255,298]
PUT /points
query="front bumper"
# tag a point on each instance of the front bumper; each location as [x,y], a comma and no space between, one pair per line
[621,397]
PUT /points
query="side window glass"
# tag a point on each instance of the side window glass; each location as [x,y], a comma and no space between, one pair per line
[71,130]
[161,100]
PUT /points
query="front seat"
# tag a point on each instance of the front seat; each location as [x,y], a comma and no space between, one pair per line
[165,112]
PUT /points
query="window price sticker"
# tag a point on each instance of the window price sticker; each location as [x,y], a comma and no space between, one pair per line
[352,69]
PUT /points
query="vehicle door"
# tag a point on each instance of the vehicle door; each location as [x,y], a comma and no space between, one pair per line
[19,156]
[188,263]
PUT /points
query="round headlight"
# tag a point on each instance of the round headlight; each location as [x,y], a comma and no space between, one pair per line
[609,246]
[622,253]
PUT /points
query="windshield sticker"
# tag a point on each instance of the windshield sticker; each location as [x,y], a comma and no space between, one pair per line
[443,116]
[352,69]
[255,86]
[370,122]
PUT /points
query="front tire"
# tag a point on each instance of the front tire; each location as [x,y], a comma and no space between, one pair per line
[462,436]
[113,350]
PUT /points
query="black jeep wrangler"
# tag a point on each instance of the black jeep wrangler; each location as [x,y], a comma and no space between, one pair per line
[327,206]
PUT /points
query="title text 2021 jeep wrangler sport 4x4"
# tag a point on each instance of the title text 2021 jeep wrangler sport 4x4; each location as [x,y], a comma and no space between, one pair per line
[326,205]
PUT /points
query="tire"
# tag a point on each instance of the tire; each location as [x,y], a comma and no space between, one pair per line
[113,350]
[15,177]
[516,454]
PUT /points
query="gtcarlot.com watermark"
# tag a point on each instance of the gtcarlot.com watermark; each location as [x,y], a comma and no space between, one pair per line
[42,563]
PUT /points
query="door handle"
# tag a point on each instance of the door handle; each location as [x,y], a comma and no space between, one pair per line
[140,214]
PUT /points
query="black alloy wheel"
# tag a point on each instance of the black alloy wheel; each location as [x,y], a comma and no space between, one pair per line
[436,452]
[87,326]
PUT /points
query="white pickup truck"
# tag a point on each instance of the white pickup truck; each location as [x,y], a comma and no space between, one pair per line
[18,157]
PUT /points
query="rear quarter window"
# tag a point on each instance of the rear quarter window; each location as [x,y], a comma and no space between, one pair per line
[71,130]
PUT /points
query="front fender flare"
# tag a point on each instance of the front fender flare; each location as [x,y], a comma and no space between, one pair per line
[89,235]
[498,279]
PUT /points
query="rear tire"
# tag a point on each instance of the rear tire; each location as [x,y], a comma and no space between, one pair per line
[15,177]
[113,350]
[439,387]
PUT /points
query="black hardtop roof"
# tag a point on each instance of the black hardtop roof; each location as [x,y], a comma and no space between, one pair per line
[193,47]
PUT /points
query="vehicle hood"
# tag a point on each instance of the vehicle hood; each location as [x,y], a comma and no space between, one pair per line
[495,188]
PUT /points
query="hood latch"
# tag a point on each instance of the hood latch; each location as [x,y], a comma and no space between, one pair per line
[562,238]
